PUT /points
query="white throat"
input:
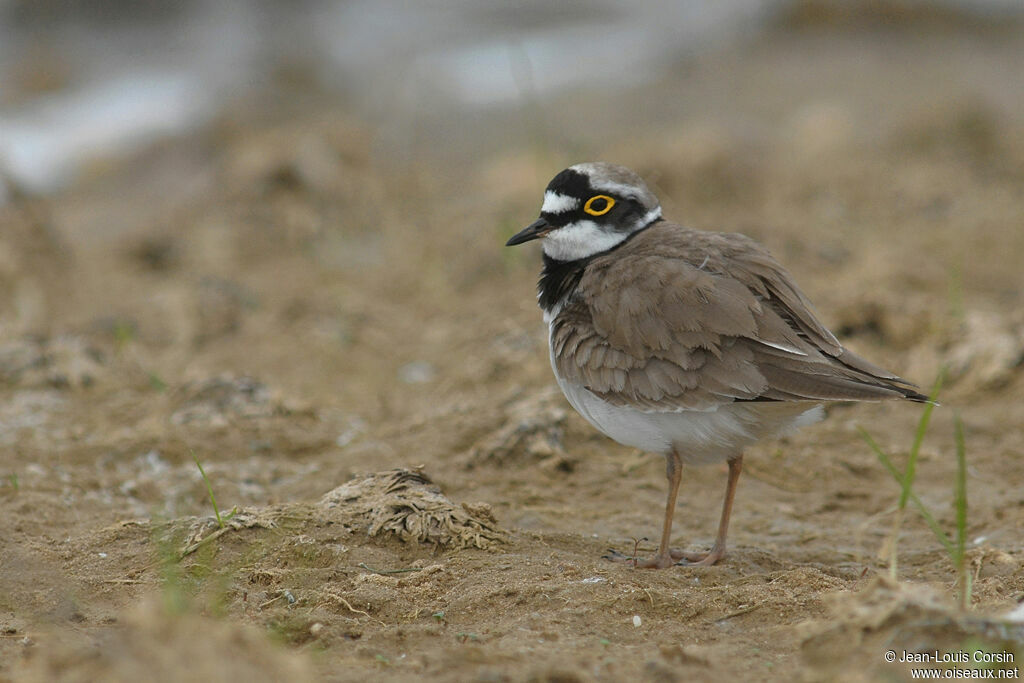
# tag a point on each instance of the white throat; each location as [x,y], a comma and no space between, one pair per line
[580,240]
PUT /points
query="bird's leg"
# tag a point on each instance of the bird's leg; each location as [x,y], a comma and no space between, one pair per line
[674,473]
[717,551]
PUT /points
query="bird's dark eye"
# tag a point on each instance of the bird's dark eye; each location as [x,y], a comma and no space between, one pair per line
[599,205]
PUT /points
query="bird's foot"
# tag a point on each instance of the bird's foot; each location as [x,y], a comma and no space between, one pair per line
[690,559]
[674,558]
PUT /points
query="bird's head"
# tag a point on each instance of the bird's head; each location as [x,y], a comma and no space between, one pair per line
[590,208]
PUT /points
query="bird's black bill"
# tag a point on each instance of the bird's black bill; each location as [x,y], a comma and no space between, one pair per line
[533,231]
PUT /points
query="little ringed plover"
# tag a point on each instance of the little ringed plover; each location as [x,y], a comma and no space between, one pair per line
[682,342]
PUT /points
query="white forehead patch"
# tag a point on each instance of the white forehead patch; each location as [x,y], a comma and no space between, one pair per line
[580,240]
[559,203]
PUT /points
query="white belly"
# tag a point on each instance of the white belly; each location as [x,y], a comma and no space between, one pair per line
[699,436]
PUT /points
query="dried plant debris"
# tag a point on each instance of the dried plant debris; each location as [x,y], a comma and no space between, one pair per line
[407,504]
[60,362]
[532,427]
[206,529]
[897,616]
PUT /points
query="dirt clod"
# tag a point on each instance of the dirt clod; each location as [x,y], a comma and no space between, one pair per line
[410,506]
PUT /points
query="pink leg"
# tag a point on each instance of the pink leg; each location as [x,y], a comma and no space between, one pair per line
[717,551]
[674,473]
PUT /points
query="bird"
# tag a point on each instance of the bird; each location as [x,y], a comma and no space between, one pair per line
[673,340]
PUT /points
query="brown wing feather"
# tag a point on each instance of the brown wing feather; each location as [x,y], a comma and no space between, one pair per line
[681,319]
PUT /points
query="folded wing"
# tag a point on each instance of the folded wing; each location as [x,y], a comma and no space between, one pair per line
[677,319]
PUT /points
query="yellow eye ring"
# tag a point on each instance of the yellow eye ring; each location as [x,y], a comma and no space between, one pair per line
[601,210]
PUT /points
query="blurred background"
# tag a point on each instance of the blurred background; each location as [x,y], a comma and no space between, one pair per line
[267,236]
[403,142]
[83,81]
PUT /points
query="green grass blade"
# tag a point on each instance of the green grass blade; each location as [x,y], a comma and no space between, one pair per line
[922,428]
[929,520]
[961,513]
[209,490]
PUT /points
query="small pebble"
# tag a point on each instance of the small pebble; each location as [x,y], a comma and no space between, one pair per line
[316,629]
[636,620]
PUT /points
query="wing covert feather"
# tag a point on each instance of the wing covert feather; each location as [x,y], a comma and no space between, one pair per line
[678,319]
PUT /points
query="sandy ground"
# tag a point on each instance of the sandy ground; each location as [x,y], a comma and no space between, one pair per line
[274,298]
